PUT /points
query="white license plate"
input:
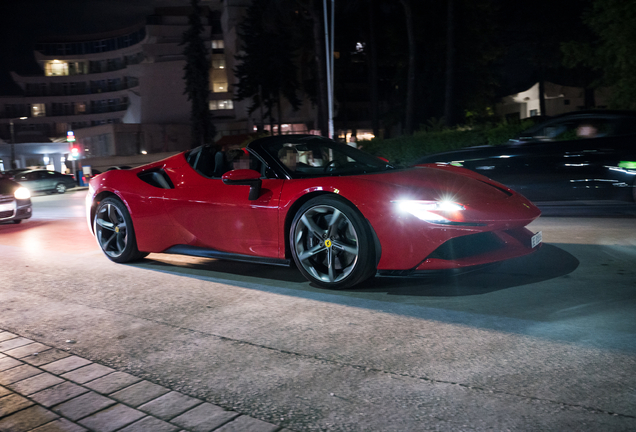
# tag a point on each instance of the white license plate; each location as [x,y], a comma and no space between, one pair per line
[7,207]
[536,239]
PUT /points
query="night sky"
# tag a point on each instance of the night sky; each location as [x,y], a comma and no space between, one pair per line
[23,22]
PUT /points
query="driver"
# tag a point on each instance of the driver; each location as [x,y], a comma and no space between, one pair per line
[587,130]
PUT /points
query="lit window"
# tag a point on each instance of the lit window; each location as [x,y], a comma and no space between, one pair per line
[219,86]
[55,68]
[221,105]
[218,62]
[218,44]
[38,110]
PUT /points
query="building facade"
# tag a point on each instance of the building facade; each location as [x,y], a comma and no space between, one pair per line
[559,99]
[122,93]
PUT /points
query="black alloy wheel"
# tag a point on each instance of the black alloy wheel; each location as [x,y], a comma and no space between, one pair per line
[331,243]
[114,231]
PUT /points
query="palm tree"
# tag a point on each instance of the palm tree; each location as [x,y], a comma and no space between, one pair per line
[196,77]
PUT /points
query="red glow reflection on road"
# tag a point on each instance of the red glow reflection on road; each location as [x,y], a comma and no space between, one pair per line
[65,235]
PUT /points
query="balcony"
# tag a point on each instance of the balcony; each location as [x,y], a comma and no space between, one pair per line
[80,88]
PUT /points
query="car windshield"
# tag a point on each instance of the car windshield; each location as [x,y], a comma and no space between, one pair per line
[318,156]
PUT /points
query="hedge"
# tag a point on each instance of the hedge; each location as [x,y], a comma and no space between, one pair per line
[405,150]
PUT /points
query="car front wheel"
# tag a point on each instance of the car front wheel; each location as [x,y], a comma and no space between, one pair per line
[115,233]
[331,243]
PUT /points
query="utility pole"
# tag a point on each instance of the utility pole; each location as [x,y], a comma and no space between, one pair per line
[329,45]
[14,165]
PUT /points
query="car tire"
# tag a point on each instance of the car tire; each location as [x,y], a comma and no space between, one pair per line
[60,188]
[17,221]
[115,233]
[332,253]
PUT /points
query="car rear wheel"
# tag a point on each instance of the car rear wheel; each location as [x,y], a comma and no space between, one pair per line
[331,243]
[60,188]
[115,233]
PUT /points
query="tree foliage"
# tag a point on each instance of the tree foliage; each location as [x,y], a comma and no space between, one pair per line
[197,81]
[613,54]
[268,71]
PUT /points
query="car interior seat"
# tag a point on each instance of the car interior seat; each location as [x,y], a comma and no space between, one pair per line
[205,161]
[220,164]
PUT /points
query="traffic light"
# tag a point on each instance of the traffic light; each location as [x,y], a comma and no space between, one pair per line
[74,153]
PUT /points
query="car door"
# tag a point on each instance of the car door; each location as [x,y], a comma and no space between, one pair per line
[584,148]
[33,180]
[214,215]
[528,167]
[51,179]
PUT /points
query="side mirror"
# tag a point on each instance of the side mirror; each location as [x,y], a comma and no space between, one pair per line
[245,177]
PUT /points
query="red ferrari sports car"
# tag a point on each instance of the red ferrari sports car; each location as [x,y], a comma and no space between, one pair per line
[340,214]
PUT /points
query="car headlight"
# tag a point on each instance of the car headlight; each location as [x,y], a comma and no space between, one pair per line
[427,210]
[22,193]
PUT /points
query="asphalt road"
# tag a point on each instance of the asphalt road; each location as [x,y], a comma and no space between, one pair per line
[545,342]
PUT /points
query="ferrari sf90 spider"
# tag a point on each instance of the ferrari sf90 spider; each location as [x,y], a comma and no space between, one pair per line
[341,215]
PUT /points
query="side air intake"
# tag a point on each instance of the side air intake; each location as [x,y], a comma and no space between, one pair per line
[157,178]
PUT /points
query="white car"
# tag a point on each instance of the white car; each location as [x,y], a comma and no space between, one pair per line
[15,202]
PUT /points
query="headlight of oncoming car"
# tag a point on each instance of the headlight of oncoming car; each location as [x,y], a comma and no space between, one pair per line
[22,193]
[427,210]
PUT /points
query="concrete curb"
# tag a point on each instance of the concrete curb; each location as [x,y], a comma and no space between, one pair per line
[44,389]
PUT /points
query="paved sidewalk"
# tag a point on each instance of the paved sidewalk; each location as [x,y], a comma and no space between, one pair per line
[43,389]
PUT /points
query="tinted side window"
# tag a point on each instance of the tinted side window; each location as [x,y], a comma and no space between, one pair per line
[575,129]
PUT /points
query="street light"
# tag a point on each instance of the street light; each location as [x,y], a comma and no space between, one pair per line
[14,165]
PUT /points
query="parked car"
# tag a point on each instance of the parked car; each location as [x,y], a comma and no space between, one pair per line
[340,214]
[586,155]
[10,174]
[41,180]
[15,201]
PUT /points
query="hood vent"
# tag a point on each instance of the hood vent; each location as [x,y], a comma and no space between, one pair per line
[508,193]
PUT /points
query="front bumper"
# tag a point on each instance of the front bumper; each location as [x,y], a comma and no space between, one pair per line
[473,250]
[15,210]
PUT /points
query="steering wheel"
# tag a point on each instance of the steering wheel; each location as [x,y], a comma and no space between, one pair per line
[332,165]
